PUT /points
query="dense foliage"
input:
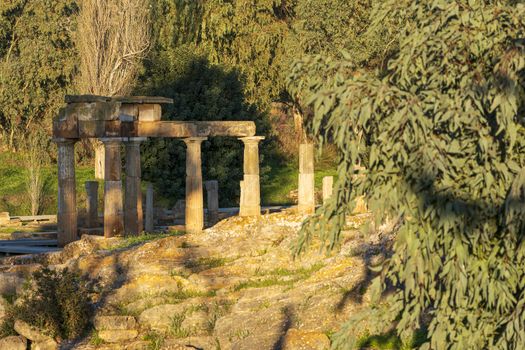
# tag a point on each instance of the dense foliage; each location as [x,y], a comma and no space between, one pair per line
[201,91]
[440,135]
[56,302]
[37,63]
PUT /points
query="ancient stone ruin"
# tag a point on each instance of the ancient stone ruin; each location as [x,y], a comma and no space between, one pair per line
[131,120]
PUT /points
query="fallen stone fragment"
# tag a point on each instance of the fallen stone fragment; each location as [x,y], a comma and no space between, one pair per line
[117,336]
[40,341]
[13,343]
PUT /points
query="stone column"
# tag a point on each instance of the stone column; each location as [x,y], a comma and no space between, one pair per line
[306,179]
[113,211]
[149,209]
[67,197]
[133,217]
[194,200]
[212,188]
[250,204]
[328,184]
[91,204]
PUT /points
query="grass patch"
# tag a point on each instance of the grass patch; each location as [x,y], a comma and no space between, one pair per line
[264,283]
[202,264]
[176,330]
[282,179]
[188,294]
[132,241]
[95,339]
[304,272]
[13,194]
[278,277]
[155,339]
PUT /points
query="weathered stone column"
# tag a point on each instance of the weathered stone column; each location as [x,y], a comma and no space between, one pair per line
[328,184]
[212,189]
[67,197]
[194,200]
[250,204]
[133,217]
[306,179]
[113,211]
[149,209]
[91,204]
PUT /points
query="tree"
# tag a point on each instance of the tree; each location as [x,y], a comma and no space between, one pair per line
[441,136]
[112,38]
[37,63]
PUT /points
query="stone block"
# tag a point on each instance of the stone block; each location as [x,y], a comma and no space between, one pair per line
[10,283]
[13,343]
[117,336]
[41,341]
[328,184]
[4,218]
[149,112]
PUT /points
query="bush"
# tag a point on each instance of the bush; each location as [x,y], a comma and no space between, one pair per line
[55,302]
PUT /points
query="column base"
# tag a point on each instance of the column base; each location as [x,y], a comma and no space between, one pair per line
[67,229]
[250,211]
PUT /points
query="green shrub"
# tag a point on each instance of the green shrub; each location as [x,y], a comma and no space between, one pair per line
[56,302]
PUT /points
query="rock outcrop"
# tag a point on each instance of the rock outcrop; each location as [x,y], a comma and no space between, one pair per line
[233,286]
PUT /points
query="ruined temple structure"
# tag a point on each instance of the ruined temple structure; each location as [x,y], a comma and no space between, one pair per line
[131,120]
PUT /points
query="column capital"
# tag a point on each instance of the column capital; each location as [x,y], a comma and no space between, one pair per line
[190,140]
[58,140]
[134,139]
[110,140]
[251,139]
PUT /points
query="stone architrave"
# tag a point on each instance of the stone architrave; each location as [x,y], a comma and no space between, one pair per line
[148,226]
[91,204]
[67,197]
[113,208]
[328,185]
[133,216]
[212,189]
[250,204]
[306,191]
[194,194]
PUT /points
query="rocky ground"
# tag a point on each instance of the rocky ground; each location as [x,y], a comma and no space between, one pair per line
[233,286]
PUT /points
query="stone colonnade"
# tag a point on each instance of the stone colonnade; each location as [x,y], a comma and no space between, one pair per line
[126,217]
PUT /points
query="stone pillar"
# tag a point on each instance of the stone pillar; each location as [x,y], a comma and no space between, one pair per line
[212,188]
[113,211]
[328,184]
[133,217]
[306,179]
[91,204]
[194,200]
[149,209]
[67,197]
[250,204]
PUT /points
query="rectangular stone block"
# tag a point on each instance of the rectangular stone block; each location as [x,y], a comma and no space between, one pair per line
[149,112]
[4,218]
[328,184]
[85,111]
[306,193]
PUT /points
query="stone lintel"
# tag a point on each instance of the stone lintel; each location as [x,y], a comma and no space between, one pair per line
[74,128]
[122,99]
